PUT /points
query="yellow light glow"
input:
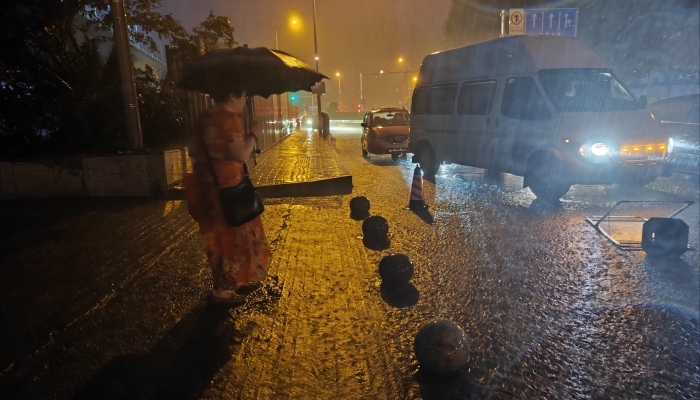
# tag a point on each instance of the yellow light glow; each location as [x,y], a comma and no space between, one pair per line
[294,22]
[415,78]
[650,148]
[635,148]
[381,72]
[625,149]
[400,59]
[662,146]
[337,74]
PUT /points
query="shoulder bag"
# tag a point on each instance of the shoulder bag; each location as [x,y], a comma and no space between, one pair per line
[240,203]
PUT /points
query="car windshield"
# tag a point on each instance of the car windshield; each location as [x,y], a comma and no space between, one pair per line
[678,109]
[386,118]
[583,89]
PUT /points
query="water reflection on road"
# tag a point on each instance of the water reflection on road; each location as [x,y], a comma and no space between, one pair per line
[550,306]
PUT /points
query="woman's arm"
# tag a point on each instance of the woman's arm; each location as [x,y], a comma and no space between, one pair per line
[242,149]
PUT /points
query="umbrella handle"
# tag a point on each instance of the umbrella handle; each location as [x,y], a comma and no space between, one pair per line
[249,106]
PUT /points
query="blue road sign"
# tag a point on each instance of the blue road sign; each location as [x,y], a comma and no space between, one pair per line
[551,21]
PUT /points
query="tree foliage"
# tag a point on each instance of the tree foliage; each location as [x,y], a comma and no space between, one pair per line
[59,96]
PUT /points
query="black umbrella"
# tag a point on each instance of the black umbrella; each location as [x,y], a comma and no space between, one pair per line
[258,71]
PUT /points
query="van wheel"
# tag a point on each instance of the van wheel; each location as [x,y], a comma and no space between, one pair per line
[395,156]
[544,181]
[428,163]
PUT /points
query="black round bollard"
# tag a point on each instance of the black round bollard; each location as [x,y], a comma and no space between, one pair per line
[441,346]
[396,269]
[359,207]
[375,228]
[665,237]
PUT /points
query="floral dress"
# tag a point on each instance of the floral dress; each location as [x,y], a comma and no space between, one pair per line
[238,255]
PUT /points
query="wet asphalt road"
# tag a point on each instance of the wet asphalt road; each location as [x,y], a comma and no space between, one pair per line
[551,308]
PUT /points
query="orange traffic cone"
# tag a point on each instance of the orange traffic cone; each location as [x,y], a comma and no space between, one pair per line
[417,201]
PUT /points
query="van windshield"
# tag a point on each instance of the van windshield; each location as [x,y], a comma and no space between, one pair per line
[585,89]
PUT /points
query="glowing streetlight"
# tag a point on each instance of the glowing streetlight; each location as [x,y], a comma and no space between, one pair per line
[277,46]
[337,74]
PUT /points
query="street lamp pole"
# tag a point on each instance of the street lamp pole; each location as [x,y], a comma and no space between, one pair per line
[339,98]
[277,44]
[362,101]
[318,102]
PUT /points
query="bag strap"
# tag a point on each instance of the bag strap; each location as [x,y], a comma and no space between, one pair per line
[209,161]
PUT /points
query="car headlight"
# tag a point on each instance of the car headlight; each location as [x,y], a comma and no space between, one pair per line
[669,149]
[595,149]
[600,149]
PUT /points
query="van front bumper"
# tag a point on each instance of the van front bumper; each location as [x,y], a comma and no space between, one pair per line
[640,172]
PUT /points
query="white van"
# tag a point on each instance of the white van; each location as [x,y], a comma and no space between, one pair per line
[543,107]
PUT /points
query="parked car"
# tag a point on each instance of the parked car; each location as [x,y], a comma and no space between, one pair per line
[681,116]
[386,131]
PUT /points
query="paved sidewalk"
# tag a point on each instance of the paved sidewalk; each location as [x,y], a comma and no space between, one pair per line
[300,165]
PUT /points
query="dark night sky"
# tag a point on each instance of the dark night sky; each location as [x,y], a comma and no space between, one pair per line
[353,36]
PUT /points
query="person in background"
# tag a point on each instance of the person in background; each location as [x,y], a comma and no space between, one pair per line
[238,255]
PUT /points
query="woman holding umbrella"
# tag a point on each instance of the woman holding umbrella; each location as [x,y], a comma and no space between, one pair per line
[238,255]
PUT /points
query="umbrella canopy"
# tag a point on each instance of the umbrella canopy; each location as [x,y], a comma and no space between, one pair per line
[258,71]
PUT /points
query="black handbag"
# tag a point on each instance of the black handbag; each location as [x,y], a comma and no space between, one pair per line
[240,203]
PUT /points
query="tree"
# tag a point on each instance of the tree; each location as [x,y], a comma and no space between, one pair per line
[59,96]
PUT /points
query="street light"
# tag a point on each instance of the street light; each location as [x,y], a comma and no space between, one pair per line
[318,93]
[277,45]
[338,75]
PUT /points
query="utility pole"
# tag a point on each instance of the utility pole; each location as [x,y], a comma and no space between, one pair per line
[126,72]
[362,101]
[318,112]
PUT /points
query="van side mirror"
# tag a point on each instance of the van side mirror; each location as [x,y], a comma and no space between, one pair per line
[642,101]
[364,125]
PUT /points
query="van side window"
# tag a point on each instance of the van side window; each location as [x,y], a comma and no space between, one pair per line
[522,100]
[475,98]
[420,100]
[442,99]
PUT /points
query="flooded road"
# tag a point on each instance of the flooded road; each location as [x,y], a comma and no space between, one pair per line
[551,307]
[111,303]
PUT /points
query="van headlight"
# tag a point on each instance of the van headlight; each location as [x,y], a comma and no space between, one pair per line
[669,149]
[595,150]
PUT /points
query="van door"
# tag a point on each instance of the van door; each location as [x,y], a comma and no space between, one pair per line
[440,125]
[521,124]
[474,107]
